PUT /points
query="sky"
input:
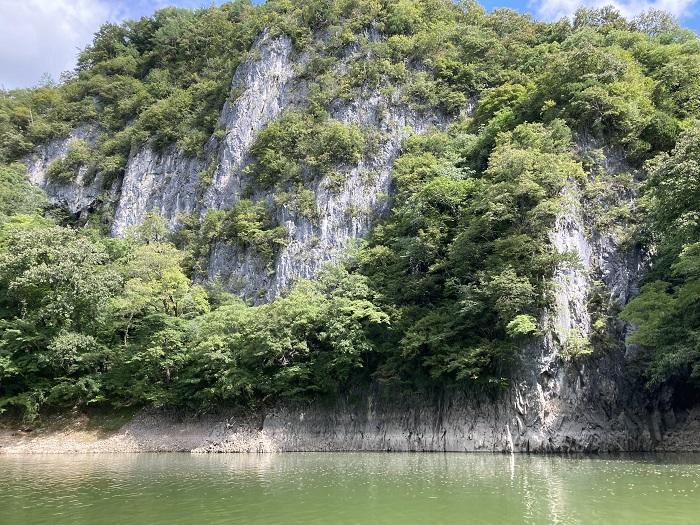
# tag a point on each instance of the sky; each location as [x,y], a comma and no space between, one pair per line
[39,37]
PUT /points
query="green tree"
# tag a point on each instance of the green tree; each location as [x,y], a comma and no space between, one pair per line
[667,311]
[17,196]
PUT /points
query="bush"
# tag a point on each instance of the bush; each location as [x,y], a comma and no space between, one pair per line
[298,147]
[252,225]
[65,169]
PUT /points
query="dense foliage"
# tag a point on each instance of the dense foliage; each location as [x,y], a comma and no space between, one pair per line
[667,311]
[17,196]
[447,287]
[87,319]
[299,147]
[463,259]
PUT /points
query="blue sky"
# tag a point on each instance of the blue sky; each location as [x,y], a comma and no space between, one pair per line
[44,36]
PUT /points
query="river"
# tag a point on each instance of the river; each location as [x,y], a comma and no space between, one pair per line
[353,488]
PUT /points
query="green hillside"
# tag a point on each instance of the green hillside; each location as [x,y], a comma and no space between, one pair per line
[450,285]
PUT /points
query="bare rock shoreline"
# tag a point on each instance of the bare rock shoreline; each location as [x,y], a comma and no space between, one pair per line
[148,431]
[329,431]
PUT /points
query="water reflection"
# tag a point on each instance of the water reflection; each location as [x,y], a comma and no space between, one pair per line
[347,488]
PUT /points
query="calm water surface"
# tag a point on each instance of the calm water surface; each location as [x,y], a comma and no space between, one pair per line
[347,489]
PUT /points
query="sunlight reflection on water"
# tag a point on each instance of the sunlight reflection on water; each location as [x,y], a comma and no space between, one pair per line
[347,488]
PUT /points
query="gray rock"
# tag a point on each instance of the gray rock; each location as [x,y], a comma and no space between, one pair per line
[554,404]
[267,87]
[166,183]
[76,196]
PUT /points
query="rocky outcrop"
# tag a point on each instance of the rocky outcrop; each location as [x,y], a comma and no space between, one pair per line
[343,213]
[557,401]
[170,183]
[166,183]
[261,88]
[374,422]
[77,196]
[555,404]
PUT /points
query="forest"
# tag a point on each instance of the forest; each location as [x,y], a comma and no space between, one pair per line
[448,286]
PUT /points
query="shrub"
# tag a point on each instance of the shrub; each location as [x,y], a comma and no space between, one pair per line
[65,169]
[298,147]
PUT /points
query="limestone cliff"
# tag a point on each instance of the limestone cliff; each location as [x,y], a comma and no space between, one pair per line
[77,196]
[556,403]
[171,183]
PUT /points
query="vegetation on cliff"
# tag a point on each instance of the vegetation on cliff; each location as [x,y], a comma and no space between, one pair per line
[667,311]
[448,286]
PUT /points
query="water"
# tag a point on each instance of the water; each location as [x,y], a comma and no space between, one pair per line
[347,489]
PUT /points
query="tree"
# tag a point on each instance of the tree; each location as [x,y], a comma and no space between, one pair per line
[54,284]
[667,311]
[17,196]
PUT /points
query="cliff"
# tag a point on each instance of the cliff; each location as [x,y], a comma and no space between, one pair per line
[171,184]
[556,402]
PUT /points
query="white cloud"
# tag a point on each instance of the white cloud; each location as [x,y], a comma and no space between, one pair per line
[44,36]
[554,9]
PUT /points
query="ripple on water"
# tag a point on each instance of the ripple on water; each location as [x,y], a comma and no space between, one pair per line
[346,488]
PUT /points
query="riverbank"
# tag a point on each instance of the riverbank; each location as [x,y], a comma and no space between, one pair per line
[327,429]
[147,431]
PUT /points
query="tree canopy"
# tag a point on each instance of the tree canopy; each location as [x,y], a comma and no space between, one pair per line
[449,285]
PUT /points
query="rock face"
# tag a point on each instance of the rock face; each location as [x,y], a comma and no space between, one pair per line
[555,403]
[78,196]
[171,184]
[166,183]
[269,86]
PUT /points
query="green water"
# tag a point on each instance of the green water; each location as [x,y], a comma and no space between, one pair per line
[347,488]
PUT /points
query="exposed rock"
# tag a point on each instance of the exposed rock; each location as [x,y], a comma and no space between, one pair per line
[268,85]
[376,422]
[265,88]
[163,182]
[344,213]
[170,183]
[77,196]
[149,431]
[572,282]
[554,403]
